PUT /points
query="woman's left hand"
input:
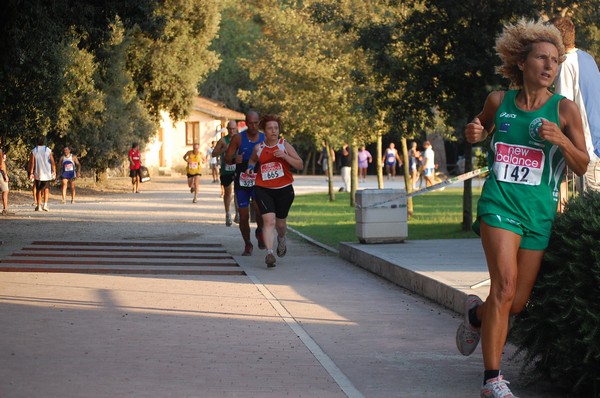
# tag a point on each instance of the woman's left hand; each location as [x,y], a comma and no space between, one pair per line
[551,132]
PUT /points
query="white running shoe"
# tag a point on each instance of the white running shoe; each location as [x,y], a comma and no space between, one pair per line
[228,220]
[45,207]
[467,335]
[270,260]
[496,388]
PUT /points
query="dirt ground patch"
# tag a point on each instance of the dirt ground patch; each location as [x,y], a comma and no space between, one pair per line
[83,187]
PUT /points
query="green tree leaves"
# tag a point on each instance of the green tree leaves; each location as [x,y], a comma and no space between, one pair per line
[97,75]
[167,62]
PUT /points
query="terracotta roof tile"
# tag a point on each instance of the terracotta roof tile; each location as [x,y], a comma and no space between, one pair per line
[216,109]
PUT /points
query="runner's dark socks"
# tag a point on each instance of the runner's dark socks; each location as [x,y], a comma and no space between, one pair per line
[490,374]
[473,317]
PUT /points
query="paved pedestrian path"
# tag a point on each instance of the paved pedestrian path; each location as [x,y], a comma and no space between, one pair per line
[315,326]
[131,258]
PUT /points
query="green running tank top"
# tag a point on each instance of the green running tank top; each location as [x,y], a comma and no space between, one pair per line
[525,170]
[226,169]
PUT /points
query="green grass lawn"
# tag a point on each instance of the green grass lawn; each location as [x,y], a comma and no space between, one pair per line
[436,215]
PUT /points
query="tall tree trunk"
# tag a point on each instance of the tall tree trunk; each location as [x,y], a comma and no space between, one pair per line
[468,192]
[353,174]
[378,161]
[407,181]
[330,172]
[309,160]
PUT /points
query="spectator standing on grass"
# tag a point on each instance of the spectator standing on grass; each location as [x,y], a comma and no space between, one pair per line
[364,158]
[429,165]
[534,134]
[413,165]
[135,165]
[346,167]
[70,169]
[391,159]
[43,172]
[323,160]
[227,170]
[579,80]
[274,190]
[238,152]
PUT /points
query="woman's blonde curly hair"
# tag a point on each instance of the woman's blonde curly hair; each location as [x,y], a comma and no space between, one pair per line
[515,42]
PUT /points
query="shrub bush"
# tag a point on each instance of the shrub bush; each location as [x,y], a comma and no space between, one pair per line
[19,177]
[559,332]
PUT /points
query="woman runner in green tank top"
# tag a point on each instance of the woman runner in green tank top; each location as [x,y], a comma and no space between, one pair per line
[523,166]
[534,135]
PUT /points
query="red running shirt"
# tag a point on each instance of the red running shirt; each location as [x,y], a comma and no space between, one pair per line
[135,155]
[273,172]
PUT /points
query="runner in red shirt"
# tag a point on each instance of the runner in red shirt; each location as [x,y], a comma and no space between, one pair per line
[135,164]
[273,189]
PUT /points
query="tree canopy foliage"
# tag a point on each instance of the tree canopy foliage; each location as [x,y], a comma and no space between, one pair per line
[413,63]
[235,40]
[96,75]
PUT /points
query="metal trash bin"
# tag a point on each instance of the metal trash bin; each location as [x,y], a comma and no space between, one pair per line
[381,215]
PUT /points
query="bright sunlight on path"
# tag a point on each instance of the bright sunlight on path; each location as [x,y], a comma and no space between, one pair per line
[314,326]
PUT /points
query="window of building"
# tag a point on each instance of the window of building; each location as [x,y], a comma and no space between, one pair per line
[192,132]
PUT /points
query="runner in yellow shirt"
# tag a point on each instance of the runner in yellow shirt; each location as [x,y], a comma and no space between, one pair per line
[193,169]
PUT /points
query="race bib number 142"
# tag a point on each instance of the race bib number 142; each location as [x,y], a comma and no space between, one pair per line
[518,164]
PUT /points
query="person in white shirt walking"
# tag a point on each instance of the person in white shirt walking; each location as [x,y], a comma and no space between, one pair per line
[43,172]
[429,165]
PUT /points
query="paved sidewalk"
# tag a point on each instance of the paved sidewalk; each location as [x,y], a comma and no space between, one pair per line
[444,270]
[314,326]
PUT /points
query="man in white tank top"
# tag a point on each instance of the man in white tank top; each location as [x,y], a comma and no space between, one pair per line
[43,171]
